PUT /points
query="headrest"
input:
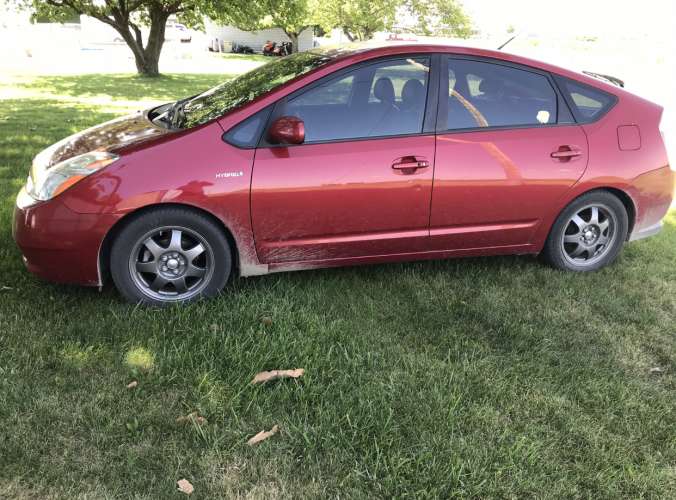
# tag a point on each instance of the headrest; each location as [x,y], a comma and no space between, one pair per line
[413,93]
[384,90]
[490,86]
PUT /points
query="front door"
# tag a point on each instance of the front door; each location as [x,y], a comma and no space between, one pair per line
[507,149]
[361,183]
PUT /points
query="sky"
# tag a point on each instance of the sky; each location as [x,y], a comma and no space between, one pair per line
[652,18]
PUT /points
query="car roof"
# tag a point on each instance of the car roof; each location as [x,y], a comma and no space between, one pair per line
[375,48]
[372,49]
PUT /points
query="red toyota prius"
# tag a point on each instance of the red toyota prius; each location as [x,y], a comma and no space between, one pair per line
[349,156]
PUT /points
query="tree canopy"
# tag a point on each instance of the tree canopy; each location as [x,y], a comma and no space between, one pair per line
[127,17]
[292,16]
[358,19]
[361,19]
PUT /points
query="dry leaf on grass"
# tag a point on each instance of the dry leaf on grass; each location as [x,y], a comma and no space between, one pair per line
[657,370]
[184,486]
[194,416]
[266,320]
[263,377]
[132,384]
[263,435]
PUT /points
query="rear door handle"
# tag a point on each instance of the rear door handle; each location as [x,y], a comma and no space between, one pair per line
[566,153]
[409,164]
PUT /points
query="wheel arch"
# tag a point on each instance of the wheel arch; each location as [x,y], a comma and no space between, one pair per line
[620,194]
[628,203]
[107,243]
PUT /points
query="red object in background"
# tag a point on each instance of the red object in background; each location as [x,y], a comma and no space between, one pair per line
[486,188]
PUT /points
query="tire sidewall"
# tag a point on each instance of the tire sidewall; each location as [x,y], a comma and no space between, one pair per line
[129,235]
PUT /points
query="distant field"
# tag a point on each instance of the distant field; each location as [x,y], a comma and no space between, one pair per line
[482,378]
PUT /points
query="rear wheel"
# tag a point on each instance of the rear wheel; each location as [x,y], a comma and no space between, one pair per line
[170,255]
[588,234]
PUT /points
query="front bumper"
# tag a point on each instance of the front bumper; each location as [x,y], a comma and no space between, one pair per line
[59,244]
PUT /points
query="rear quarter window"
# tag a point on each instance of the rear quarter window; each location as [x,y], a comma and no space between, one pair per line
[588,103]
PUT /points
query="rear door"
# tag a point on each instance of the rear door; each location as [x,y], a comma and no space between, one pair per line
[361,183]
[507,148]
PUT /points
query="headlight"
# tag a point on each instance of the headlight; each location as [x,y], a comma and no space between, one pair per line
[45,183]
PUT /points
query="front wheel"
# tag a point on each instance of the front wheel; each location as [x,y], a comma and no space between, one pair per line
[589,233]
[170,255]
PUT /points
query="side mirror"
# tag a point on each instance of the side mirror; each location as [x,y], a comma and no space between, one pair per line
[287,130]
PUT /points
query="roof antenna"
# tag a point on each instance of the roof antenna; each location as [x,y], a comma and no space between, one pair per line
[504,44]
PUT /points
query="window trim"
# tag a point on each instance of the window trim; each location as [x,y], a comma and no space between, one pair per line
[429,118]
[442,107]
[225,137]
[579,119]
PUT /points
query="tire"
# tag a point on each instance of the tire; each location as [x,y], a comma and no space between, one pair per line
[588,234]
[170,255]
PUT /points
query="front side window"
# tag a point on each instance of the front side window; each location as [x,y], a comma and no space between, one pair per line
[400,74]
[338,91]
[483,94]
[377,100]
[246,134]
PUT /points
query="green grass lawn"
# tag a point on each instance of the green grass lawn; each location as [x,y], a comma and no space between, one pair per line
[491,377]
[248,57]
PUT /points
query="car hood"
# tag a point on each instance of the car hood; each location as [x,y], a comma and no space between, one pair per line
[109,136]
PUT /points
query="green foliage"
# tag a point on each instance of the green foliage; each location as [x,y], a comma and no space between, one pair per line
[438,17]
[50,14]
[127,17]
[360,19]
[292,16]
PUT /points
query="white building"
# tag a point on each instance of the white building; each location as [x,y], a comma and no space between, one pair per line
[254,39]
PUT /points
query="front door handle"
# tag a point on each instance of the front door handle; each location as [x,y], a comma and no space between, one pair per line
[409,164]
[566,153]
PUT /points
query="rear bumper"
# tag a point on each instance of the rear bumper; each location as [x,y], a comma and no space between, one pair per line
[59,244]
[652,193]
[646,232]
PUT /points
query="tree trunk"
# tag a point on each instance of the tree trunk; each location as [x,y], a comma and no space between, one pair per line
[367,34]
[349,35]
[158,24]
[294,41]
[147,58]
[147,66]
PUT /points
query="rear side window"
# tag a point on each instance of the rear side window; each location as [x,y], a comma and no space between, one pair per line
[484,94]
[588,103]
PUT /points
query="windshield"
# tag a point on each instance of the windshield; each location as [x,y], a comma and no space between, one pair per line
[245,88]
